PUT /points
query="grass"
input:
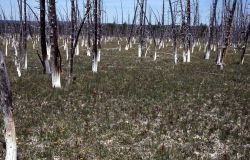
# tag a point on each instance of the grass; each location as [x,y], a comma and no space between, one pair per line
[133,109]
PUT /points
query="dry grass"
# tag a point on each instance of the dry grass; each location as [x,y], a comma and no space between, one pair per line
[134,109]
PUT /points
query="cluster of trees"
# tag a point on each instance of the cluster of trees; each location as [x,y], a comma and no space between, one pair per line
[184,34]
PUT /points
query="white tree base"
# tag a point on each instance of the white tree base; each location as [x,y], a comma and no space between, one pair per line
[56,80]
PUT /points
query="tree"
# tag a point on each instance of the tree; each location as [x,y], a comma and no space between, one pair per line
[95,37]
[141,25]
[56,69]
[45,60]
[228,19]
[6,103]
[174,33]
[210,30]
[73,39]
[244,47]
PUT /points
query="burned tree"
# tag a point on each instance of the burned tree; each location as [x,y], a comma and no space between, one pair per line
[228,19]
[210,30]
[141,27]
[186,57]
[244,47]
[45,60]
[6,104]
[73,39]
[174,32]
[95,38]
[25,35]
[56,68]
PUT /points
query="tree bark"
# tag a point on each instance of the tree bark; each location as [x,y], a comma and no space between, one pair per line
[95,38]
[229,20]
[6,103]
[211,27]
[174,34]
[45,61]
[56,72]
[245,44]
[72,49]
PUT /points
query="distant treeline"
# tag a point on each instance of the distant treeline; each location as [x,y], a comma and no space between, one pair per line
[108,29]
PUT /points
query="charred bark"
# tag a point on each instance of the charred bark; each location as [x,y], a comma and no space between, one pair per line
[244,47]
[210,31]
[56,72]
[6,103]
[45,61]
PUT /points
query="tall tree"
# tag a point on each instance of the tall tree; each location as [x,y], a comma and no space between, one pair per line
[188,31]
[73,39]
[210,30]
[45,60]
[228,19]
[244,47]
[25,35]
[141,27]
[174,32]
[6,103]
[56,69]
[95,38]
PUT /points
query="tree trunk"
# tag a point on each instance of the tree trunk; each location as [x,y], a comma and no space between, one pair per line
[72,49]
[173,32]
[245,44]
[6,103]
[229,20]
[45,60]
[211,26]
[140,50]
[95,38]
[25,66]
[56,70]
[188,32]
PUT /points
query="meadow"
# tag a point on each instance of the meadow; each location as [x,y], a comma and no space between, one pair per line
[133,108]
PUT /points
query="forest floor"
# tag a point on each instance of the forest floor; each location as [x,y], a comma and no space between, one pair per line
[133,108]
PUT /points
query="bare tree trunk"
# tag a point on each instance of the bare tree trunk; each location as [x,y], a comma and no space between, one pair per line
[99,31]
[6,103]
[45,60]
[18,57]
[245,44]
[72,49]
[141,41]
[56,70]
[173,32]
[95,38]
[211,26]
[188,32]
[25,36]
[88,28]
[226,40]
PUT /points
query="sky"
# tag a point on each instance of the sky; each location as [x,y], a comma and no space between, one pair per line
[112,8]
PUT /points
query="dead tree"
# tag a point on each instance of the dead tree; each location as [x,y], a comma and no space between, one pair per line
[186,56]
[174,32]
[6,103]
[45,60]
[99,30]
[95,38]
[141,27]
[228,19]
[73,36]
[88,27]
[244,47]
[25,65]
[210,30]
[56,69]
[18,57]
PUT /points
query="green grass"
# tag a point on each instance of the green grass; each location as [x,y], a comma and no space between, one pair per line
[133,108]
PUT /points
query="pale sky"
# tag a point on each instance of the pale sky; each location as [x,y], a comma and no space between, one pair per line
[113,8]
